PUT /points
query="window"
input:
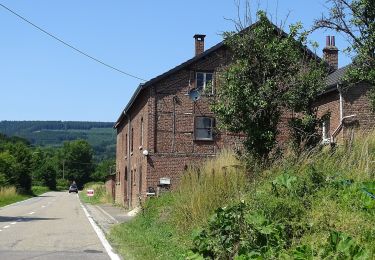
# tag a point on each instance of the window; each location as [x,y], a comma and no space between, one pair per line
[203,80]
[204,128]
[132,140]
[126,144]
[326,131]
[141,141]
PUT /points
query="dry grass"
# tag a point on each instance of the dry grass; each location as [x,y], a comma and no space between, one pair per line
[219,181]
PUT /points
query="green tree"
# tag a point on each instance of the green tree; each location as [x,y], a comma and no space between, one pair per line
[355,19]
[77,157]
[103,169]
[271,72]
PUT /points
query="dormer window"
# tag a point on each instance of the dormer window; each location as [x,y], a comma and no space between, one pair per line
[204,81]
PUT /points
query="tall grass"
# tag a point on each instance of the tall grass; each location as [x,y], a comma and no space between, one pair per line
[100,193]
[219,181]
[9,195]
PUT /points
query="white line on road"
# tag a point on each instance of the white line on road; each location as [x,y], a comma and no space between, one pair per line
[13,223]
[0,230]
[43,206]
[101,236]
[6,226]
[32,212]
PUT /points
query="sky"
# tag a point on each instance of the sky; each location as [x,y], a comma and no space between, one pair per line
[43,79]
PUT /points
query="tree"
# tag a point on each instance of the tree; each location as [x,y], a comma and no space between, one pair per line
[271,72]
[103,169]
[355,19]
[77,157]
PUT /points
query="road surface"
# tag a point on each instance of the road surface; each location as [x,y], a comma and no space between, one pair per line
[51,226]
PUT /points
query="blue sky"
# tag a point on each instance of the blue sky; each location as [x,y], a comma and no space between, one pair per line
[41,79]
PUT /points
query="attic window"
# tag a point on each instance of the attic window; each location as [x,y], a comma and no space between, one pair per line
[204,81]
[204,128]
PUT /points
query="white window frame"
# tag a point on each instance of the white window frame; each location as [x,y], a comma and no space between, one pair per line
[205,80]
[326,139]
[211,128]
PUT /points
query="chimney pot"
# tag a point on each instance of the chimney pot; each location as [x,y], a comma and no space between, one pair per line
[333,41]
[199,43]
[328,41]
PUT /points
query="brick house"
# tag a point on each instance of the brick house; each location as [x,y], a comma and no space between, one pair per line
[347,108]
[165,127]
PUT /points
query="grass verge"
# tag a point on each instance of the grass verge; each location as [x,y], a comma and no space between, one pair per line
[100,193]
[9,195]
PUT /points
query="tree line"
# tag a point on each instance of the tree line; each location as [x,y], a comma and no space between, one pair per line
[23,165]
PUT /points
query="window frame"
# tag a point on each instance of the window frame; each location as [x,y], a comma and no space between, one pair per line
[326,139]
[205,81]
[196,138]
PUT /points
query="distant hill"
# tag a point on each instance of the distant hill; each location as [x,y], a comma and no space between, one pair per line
[100,135]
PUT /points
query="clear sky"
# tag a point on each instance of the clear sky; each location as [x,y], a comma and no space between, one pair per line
[41,79]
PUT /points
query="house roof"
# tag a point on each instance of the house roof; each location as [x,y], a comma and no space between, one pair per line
[334,79]
[187,63]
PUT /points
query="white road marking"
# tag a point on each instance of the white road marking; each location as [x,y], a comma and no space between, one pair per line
[6,226]
[32,212]
[0,230]
[43,206]
[13,223]
[101,236]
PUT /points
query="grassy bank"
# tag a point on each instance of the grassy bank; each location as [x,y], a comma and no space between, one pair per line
[164,230]
[9,195]
[100,194]
[317,205]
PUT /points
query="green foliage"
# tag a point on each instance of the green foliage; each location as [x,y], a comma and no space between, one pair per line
[270,72]
[151,235]
[77,159]
[100,135]
[100,193]
[103,169]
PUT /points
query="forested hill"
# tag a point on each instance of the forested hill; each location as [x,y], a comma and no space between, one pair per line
[100,135]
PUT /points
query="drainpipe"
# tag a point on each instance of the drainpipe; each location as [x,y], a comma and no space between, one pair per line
[341,103]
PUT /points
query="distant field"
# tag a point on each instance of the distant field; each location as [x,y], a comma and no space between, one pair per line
[100,135]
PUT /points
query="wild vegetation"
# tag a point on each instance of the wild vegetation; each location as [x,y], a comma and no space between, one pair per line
[271,73]
[318,205]
[100,193]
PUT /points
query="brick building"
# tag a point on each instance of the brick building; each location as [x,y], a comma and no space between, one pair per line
[165,126]
[346,108]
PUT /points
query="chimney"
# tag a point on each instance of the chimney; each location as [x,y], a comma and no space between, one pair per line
[199,43]
[331,53]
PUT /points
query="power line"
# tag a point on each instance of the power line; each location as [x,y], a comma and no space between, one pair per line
[69,45]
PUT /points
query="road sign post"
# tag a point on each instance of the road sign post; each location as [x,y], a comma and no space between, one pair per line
[90,193]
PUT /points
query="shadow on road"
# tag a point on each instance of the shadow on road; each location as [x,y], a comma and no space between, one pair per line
[23,219]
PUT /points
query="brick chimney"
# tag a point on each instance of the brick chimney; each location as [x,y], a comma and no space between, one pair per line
[199,43]
[331,53]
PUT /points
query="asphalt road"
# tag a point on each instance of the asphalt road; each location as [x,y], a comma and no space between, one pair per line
[51,226]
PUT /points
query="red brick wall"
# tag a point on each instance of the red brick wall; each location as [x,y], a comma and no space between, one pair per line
[356,102]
